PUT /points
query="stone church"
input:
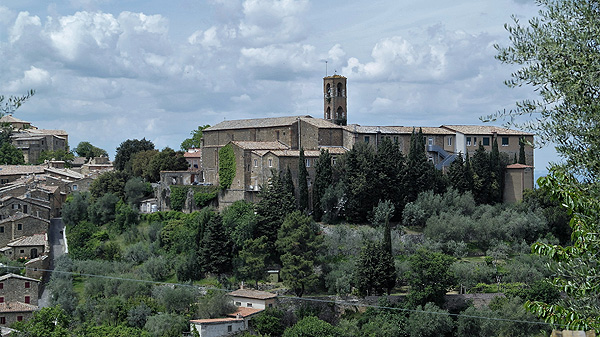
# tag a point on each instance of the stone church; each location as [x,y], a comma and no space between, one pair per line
[265,144]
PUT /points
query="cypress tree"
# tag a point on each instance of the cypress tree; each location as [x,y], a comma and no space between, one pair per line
[323,179]
[522,151]
[302,182]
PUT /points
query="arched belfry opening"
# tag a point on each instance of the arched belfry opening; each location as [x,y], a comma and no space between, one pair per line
[335,99]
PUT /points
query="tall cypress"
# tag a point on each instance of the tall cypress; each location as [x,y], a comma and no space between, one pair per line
[323,179]
[522,159]
[302,182]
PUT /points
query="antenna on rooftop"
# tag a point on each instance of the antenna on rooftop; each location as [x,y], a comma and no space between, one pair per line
[325,68]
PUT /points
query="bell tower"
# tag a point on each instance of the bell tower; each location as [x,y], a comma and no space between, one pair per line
[334,94]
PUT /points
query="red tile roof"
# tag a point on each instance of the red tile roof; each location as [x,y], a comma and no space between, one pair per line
[250,293]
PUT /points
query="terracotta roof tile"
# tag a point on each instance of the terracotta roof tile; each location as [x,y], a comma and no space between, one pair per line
[260,145]
[8,170]
[245,312]
[255,123]
[484,130]
[17,307]
[215,320]
[518,166]
[26,241]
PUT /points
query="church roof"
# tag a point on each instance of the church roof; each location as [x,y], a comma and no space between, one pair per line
[255,123]
[260,145]
[11,119]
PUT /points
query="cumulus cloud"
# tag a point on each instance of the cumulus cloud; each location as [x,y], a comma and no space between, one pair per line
[32,78]
[273,21]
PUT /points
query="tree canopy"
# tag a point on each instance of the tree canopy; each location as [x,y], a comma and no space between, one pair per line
[87,150]
[195,141]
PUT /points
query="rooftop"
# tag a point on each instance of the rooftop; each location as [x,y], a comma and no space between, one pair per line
[255,123]
[11,275]
[251,293]
[17,307]
[485,130]
[26,241]
[9,170]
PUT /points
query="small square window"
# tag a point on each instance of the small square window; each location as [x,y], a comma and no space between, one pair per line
[1,299]
[486,141]
[249,305]
[27,299]
[1,229]
[367,139]
[27,284]
[19,318]
[229,328]
[504,141]
[238,304]
[396,139]
[74,187]
[20,226]
[1,285]
[468,141]
[2,320]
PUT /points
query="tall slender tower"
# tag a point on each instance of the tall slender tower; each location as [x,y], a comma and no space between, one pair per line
[334,93]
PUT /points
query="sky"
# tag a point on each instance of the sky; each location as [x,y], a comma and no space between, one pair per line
[110,70]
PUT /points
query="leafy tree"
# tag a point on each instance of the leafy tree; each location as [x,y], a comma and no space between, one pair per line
[375,270]
[269,322]
[298,242]
[429,321]
[46,322]
[253,257]
[239,221]
[312,326]
[302,182]
[196,140]
[140,164]
[323,179]
[457,175]
[421,173]
[275,204]
[166,325]
[381,216]
[103,210]
[390,170]
[75,209]
[89,151]
[557,52]
[333,202]
[10,155]
[215,304]
[127,149]
[10,105]
[166,160]
[482,176]
[359,182]
[109,182]
[136,190]
[176,300]
[215,248]
[60,154]
[522,152]
[555,213]
[430,277]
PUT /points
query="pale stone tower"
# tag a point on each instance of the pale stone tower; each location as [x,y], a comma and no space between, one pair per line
[334,93]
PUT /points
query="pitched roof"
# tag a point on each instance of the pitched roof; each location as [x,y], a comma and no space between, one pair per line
[18,216]
[251,293]
[11,119]
[260,145]
[65,172]
[244,312]
[26,241]
[518,166]
[11,275]
[485,130]
[194,154]
[321,123]
[17,307]
[255,123]
[9,170]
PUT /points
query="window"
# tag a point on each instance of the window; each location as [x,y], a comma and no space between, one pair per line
[1,299]
[504,141]
[449,141]
[25,209]
[474,141]
[27,284]
[307,162]
[2,320]
[229,328]
[468,141]
[255,162]
[1,229]
[20,226]
[19,318]
[238,304]
[248,168]
[270,162]
[74,188]
[22,251]
[4,181]
[333,160]
[486,141]
[430,141]
[1,285]
[249,305]
[396,139]
[367,138]
[27,299]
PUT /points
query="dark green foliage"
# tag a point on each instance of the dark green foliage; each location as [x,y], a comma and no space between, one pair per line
[109,182]
[215,248]
[429,278]
[275,204]
[268,322]
[239,221]
[226,166]
[136,190]
[312,326]
[481,176]
[176,300]
[430,321]
[333,202]
[61,285]
[389,172]
[457,175]
[420,175]
[215,304]
[178,196]
[60,154]
[555,213]
[302,182]
[75,209]
[166,160]
[166,325]
[360,191]
[46,322]
[103,210]
[202,199]
[196,140]
[253,256]
[299,243]
[158,268]
[127,149]
[522,159]
[126,217]
[140,164]
[10,155]
[375,270]
[87,150]
[323,179]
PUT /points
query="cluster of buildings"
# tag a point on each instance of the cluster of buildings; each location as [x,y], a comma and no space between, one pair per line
[265,144]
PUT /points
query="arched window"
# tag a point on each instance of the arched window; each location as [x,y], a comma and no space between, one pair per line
[328,89]
[339,90]
[339,113]
[328,114]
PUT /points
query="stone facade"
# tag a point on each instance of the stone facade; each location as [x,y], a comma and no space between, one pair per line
[20,225]
[18,298]
[518,179]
